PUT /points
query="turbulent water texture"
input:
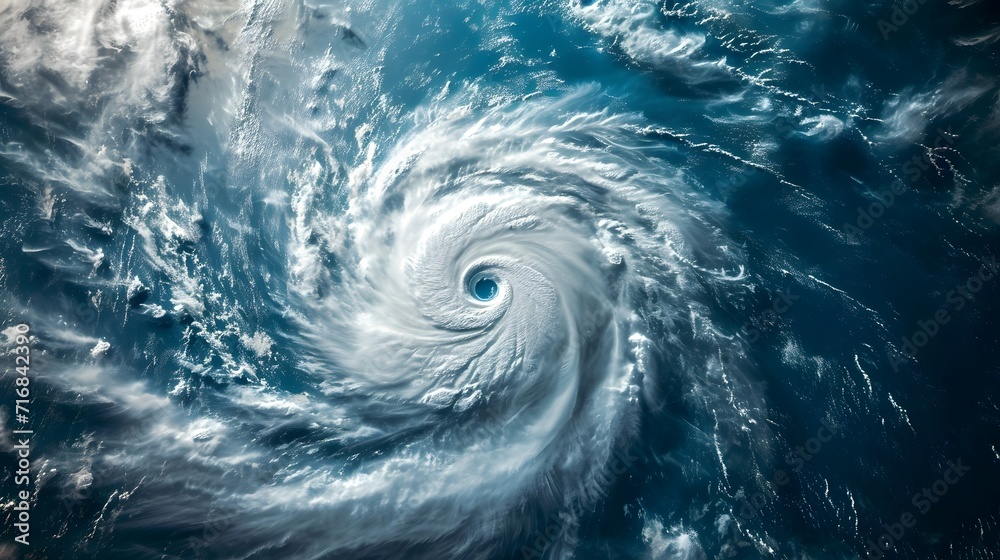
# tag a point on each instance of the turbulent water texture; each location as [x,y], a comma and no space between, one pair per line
[609,279]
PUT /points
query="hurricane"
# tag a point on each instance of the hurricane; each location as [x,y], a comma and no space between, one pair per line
[490,280]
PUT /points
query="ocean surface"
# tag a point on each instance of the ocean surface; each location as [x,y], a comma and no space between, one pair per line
[376,280]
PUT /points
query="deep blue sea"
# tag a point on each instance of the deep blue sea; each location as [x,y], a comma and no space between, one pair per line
[371,280]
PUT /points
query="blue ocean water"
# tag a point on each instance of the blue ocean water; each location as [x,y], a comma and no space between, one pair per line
[485,280]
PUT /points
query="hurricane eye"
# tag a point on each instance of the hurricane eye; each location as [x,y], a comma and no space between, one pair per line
[483,287]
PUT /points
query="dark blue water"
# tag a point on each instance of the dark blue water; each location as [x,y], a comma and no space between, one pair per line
[486,289]
[733,271]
